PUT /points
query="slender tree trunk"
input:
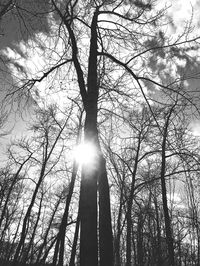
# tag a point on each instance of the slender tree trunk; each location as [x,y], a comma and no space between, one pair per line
[73,252]
[179,246]
[168,228]
[60,242]
[33,233]
[134,239]
[42,262]
[198,245]
[158,241]
[129,208]
[46,156]
[25,222]
[140,241]
[11,189]
[6,202]
[118,234]
[15,236]
[47,231]
[8,218]
[56,250]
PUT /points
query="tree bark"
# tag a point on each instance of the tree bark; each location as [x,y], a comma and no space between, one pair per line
[105,228]
[158,241]
[168,229]
[88,193]
[140,251]
[129,208]
[118,234]
[88,216]
[60,242]
[47,231]
[73,252]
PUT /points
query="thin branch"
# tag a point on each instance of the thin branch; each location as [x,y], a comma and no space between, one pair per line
[32,82]
[163,47]
[77,65]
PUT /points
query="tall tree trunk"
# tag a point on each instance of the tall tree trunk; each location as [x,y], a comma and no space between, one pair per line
[168,228]
[47,231]
[92,174]
[60,242]
[15,236]
[129,208]
[198,244]
[73,252]
[14,181]
[46,156]
[105,228]
[25,221]
[31,242]
[158,240]
[88,193]
[118,234]
[42,261]
[89,176]
[140,251]
[88,216]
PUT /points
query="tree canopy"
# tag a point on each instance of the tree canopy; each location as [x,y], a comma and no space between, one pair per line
[106,172]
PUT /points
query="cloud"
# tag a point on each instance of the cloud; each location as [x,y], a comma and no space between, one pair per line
[23,21]
[182,12]
[195,127]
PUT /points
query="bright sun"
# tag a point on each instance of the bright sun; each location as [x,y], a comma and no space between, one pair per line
[84,153]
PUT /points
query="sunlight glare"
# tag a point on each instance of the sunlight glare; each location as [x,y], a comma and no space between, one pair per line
[85,153]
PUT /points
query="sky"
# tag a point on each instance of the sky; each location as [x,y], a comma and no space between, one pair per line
[14,31]
[14,34]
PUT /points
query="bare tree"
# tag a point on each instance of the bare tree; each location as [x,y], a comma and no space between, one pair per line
[111,52]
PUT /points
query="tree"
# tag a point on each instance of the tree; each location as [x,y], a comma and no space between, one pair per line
[47,145]
[106,53]
[88,194]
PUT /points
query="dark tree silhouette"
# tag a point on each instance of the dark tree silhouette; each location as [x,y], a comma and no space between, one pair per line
[116,64]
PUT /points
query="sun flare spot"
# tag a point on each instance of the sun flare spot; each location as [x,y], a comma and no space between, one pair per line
[85,153]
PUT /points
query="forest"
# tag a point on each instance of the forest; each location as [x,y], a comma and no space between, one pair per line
[99,133]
